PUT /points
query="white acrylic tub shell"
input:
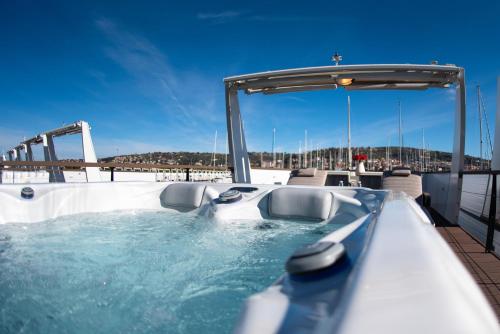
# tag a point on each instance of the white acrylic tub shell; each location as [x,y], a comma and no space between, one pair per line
[407,281]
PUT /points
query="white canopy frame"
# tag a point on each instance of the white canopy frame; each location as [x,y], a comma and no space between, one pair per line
[46,138]
[350,77]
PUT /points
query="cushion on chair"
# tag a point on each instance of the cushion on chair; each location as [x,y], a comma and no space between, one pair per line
[401,172]
[411,184]
[300,203]
[319,179]
[308,172]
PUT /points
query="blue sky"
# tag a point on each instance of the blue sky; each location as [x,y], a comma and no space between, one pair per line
[148,76]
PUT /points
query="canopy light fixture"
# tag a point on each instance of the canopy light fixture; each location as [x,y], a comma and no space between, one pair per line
[344,81]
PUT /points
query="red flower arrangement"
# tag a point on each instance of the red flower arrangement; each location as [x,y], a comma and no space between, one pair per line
[360,157]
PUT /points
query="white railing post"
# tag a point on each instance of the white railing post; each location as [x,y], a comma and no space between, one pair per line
[93,174]
[49,152]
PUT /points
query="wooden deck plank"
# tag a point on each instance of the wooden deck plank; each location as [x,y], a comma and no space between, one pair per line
[484,267]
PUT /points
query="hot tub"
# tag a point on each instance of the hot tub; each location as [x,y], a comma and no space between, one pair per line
[200,257]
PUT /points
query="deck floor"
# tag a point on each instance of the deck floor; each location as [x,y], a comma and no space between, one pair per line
[484,267]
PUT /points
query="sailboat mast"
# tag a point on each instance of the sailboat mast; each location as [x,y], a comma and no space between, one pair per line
[317,156]
[227,152]
[341,151]
[370,163]
[311,153]
[422,158]
[400,136]
[480,128]
[305,149]
[273,148]
[349,152]
[215,148]
[299,160]
[387,154]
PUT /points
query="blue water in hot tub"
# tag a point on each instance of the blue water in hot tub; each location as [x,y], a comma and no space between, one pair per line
[139,272]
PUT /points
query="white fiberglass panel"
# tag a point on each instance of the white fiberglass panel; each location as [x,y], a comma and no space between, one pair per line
[411,282]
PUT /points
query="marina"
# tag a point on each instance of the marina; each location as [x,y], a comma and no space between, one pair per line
[364,209]
[263,190]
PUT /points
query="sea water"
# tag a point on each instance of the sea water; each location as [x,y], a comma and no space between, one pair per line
[139,272]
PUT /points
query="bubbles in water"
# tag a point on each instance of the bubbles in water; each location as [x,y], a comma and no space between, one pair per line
[146,272]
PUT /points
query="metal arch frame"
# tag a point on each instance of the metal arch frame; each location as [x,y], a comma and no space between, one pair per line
[350,77]
[236,136]
[46,138]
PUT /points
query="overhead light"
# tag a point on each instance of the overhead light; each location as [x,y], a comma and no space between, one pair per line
[344,81]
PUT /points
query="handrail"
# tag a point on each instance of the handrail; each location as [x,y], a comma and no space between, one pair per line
[491,222]
[492,215]
[273,168]
[467,172]
[481,172]
[102,165]
[110,165]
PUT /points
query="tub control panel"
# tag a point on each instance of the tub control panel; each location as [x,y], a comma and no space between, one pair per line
[230,196]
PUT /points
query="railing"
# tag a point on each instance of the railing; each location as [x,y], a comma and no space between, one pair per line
[36,165]
[492,213]
[490,220]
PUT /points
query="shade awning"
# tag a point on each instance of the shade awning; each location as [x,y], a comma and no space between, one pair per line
[351,77]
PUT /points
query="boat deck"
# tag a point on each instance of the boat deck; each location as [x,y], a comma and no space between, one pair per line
[484,267]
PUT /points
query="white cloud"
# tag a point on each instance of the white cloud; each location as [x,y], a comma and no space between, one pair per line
[230,15]
[189,99]
[220,16]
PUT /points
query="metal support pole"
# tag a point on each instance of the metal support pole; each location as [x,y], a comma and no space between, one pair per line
[237,144]
[492,215]
[112,169]
[457,160]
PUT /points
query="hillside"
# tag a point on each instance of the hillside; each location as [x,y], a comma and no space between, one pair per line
[410,156]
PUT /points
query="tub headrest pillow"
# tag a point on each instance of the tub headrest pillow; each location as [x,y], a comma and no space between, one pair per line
[183,195]
[313,204]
